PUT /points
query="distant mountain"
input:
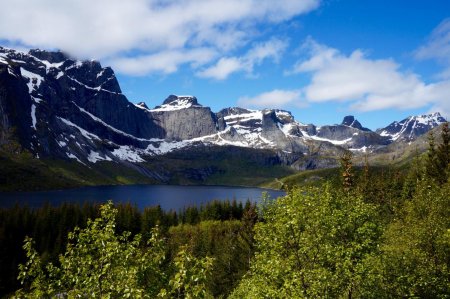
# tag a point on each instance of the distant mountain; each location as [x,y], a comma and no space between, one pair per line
[412,127]
[63,109]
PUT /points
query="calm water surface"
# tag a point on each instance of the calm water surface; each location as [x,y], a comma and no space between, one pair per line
[168,197]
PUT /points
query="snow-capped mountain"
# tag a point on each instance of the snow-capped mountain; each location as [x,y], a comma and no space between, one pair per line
[412,127]
[74,110]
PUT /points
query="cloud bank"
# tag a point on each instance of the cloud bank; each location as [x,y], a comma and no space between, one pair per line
[275,98]
[227,65]
[136,34]
[365,84]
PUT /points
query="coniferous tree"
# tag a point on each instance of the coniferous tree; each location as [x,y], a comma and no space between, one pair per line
[347,171]
[431,162]
[443,155]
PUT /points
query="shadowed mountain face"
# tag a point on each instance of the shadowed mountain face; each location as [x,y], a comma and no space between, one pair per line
[60,108]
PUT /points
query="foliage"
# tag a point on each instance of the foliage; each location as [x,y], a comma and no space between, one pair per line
[229,242]
[311,243]
[190,277]
[98,263]
[438,158]
[415,254]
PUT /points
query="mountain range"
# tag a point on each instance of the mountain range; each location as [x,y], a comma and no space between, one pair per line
[61,109]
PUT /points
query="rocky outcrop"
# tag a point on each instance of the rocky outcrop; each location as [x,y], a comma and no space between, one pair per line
[351,121]
[183,118]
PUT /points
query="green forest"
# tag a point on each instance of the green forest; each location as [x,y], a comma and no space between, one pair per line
[368,234]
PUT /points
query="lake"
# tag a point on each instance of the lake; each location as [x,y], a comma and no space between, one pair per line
[167,196]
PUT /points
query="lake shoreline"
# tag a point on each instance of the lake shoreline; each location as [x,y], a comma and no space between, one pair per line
[143,195]
[44,189]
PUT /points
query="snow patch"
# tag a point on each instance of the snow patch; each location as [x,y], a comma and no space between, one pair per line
[335,142]
[11,71]
[98,88]
[32,77]
[127,153]
[165,147]
[286,129]
[94,157]
[36,100]
[362,149]
[254,114]
[72,156]
[60,74]
[101,73]
[83,132]
[173,107]
[33,116]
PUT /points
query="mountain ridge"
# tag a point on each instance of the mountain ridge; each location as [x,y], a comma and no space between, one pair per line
[75,111]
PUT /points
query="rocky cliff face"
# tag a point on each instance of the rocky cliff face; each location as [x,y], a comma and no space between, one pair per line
[74,110]
[182,117]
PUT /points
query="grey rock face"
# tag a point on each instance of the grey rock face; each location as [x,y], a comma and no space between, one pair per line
[186,123]
[182,117]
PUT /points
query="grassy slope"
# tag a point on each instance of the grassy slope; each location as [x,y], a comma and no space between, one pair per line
[24,173]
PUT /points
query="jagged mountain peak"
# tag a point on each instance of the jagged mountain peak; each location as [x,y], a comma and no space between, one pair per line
[180,100]
[52,57]
[39,65]
[351,121]
[176,102]
[411,127]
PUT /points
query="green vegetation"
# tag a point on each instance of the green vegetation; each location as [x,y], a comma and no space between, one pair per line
[366,233]
[100,263]
[24,173]
[49,228]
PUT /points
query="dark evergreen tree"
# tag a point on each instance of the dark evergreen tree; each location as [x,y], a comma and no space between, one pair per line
[347,171]
[443,155]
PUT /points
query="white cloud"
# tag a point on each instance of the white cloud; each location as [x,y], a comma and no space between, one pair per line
[275,98]
[367,84]
[223,68]
[271,49]
[115,28]
[166,62]
[438,47]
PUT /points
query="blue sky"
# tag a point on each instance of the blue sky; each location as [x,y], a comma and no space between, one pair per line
[378,60]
